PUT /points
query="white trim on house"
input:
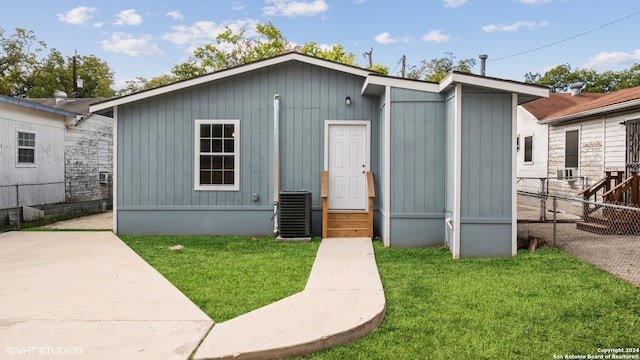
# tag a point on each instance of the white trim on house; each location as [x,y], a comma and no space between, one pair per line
[375,84]
[457,171]
[514,176]
[367,145]
[228,73]
[523,147]
[236,155]
[34,148]
[386,213]
[494,83]
[114,183]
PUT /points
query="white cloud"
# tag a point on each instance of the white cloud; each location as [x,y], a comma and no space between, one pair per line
[132,46]
[436,36]
[205,32]
[534,2]
[453,3]
[385,39]
[128,17]
[360,1]
[237,6]
[531,25]
[77,16]
[613,58]
[175,15]
[293,8]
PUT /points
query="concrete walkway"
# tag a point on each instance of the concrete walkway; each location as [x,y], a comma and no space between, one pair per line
[343,301]
[99,221]
[86,295]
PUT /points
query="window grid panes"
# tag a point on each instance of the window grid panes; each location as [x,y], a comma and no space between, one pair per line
[26,148]
[217,154]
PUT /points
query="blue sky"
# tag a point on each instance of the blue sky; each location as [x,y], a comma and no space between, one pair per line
[147,38]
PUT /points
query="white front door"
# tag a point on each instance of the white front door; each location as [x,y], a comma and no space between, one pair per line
[348,162]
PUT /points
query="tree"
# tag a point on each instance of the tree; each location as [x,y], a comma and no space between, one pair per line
[56,73]
[237,48]
[18,56]
[437,69]
[559,78]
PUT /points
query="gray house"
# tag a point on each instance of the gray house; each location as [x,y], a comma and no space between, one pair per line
[428,163]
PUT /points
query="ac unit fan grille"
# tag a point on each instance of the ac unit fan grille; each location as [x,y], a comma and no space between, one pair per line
[294,214]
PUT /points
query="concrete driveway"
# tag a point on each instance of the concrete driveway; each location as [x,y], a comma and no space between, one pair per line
[87,295]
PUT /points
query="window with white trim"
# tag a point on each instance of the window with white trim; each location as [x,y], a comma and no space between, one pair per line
[571,149]
[528,149]
[26,148]
[217,158]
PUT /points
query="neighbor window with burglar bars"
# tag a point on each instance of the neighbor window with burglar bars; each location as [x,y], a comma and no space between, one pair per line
[217,155]
[26,148]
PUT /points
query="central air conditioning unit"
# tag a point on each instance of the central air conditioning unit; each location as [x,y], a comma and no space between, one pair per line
[568,174]
[294,215]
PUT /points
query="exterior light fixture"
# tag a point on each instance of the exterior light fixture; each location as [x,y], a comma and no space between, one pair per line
[347,101]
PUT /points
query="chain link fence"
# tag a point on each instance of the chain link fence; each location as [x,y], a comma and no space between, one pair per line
[604,234]
[52,199]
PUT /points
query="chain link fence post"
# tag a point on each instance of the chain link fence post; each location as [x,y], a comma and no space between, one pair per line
[18,206]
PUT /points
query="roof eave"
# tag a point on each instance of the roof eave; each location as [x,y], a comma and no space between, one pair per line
[592,112]
[374,84]
[228,73]
[36,106]
[486,82]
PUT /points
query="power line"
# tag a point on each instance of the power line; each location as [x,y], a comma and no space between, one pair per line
[567,39]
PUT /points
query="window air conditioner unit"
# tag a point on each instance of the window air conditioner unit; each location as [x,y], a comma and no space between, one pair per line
[104,177]
[568,174]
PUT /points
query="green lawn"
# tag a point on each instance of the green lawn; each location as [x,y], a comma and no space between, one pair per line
[533,306]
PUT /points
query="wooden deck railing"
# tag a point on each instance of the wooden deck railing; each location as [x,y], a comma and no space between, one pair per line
[617,193]
[372,194]
[610,181]
[324,194]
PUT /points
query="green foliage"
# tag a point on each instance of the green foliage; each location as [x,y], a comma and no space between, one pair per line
[559,78]
[55,72]
[18,57]
[437,69]
[23,74]
[234,48]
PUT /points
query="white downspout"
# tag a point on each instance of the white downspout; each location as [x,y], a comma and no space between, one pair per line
[276,162]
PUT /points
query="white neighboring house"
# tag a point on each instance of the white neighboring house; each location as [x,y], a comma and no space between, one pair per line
[578,136]
[54,152]
[88,149]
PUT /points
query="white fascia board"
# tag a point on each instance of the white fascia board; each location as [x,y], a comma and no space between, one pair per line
[597,111]
[377,80]
[503,85]
[228,73]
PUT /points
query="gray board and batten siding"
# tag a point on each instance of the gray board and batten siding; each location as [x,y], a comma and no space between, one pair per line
[486,173]
[417,165]
[156,148]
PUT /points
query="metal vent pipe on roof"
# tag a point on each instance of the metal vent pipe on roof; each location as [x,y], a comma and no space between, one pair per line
[483,63]
[576,88]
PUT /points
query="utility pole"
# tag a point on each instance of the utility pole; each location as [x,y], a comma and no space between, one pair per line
[75,76]
[370,55]
[77,83]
